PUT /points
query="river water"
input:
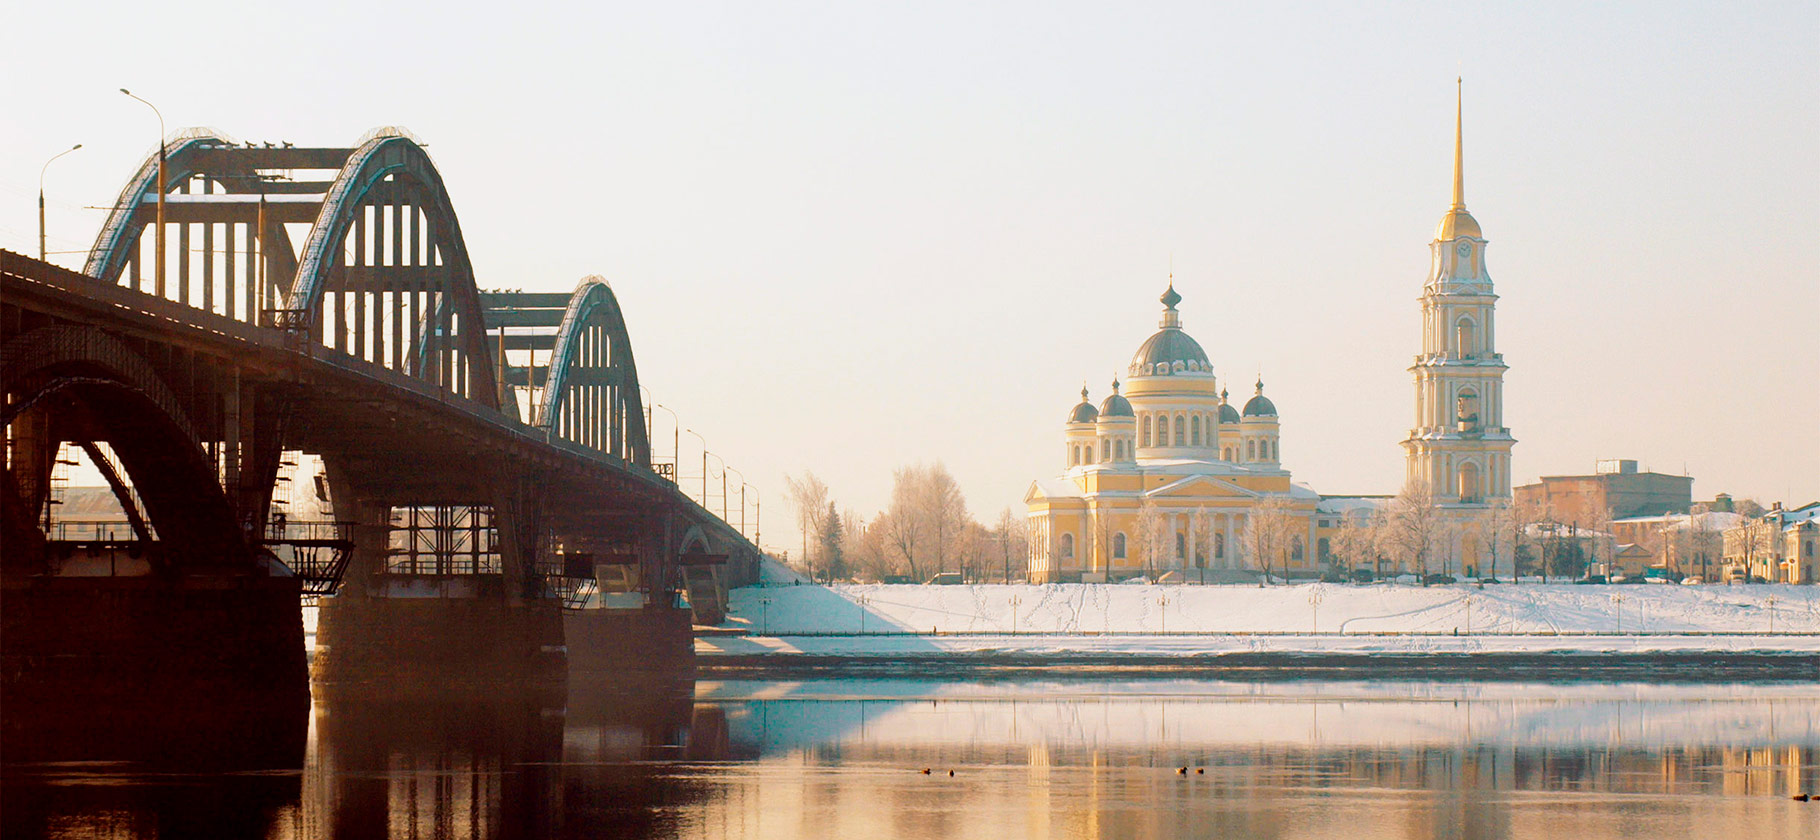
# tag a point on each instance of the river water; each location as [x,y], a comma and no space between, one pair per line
[1011,758]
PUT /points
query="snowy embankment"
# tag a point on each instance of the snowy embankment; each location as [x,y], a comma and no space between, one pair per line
[1175,621]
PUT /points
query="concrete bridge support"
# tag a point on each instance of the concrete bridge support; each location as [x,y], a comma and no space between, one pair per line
[422,606]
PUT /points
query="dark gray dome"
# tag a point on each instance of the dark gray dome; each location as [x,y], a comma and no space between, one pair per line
[1116,406]
[1228,414]
[1168,346]
[1260,405]
[1084,412]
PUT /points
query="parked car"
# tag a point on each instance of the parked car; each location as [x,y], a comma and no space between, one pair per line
[1439,578]
[1692,580]
[1363,575]
[946,579]
[1591,579]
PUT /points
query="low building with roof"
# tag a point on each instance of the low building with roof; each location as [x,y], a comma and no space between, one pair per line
[1781,546]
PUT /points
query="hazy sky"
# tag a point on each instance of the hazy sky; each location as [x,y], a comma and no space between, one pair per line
[858,235]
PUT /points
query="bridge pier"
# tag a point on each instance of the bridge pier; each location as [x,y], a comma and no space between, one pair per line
[456,642]
[94,655]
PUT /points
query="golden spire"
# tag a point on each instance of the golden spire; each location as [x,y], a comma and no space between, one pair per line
[1459,177]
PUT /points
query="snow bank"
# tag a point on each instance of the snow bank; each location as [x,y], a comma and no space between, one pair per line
[1077,609]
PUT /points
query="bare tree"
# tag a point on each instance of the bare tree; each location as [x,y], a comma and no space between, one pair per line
[1200,530]
[861,545]
[1603,545]
[901,524]
[1496,530]
[810,497]
[1356,542]
[1268,531]
[1704,541]
[1751,543]
[1105,539]
[1526,542]
[1013,540]
[1150,537]
[1412,524]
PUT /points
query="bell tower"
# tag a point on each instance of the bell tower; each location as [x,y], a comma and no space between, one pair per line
[1459,445]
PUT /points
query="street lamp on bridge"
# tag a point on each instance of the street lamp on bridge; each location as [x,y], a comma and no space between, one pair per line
[675,428]
[723,483]
[158,248]
[41,171]
[742,494]
[704,466]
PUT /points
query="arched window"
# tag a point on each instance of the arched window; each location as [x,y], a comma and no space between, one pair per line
[1194,426]
[1324,549]
[1226,454]
[1251,450]
[1466,410]
[1118,546]
[1295,550]
[1219,545]
[1146,430]
[1465,336]
[1181,432]
[1162,430]
[1181,546]
[1067,546]
[1269,446]
[1106,449]
[1469,483]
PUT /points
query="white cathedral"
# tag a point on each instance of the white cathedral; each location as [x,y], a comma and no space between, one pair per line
[1165,476]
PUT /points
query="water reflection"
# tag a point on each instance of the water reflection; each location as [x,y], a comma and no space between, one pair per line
[1030,758]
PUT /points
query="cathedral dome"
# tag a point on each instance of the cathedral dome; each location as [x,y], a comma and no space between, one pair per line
[1457,223]
[1260,405]
[1228,414]
[1084,412]
[1170,350]
[1116,405]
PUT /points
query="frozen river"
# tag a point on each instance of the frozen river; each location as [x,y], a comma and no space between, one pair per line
[1048,757]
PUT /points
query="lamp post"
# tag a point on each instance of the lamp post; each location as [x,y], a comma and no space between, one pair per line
[158,248]
[675,437]
[723,482]
[704,466]
[41,170]
[742,494]
[758,518]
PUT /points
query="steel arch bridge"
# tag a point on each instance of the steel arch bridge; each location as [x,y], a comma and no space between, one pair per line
[322,301]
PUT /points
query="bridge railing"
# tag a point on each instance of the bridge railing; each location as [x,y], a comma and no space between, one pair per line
[316,551]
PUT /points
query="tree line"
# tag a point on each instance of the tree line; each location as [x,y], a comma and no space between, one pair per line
[926,530]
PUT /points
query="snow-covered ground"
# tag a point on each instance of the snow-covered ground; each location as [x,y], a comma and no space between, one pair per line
[1325,618]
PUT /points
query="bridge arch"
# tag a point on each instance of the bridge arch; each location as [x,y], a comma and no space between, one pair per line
[67,382]
[592,396]
[118,241]
[447,340]
[383,272]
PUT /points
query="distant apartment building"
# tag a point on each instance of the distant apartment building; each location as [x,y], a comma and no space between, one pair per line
[1616,489]
[1781,546]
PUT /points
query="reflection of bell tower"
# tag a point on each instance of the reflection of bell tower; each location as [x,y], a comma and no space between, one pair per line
[1459,445]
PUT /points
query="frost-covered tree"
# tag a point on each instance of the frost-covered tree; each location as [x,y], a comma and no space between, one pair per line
[810,497]
[1269,530]
[1200,531]
[1412,524]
